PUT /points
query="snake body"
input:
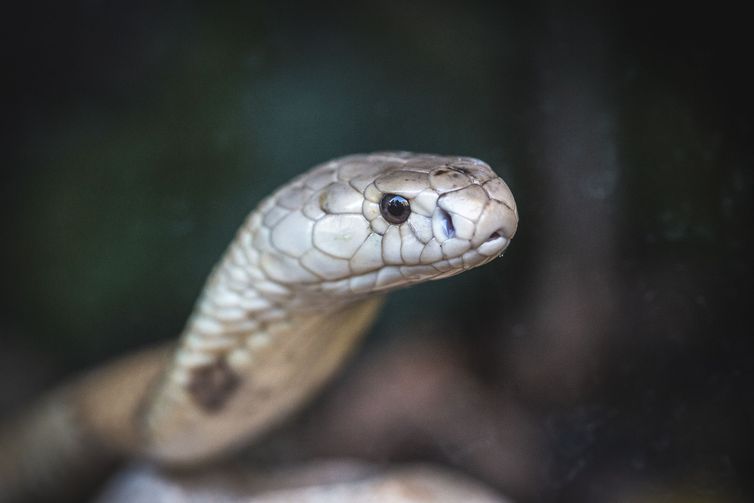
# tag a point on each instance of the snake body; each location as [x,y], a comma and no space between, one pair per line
[301,281]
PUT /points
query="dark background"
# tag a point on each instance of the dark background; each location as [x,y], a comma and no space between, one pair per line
[606,357]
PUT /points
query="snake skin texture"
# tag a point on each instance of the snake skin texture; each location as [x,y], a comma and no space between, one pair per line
[314,248]
[300,283]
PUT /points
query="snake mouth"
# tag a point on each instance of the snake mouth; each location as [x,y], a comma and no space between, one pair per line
[495,235]
[494,244]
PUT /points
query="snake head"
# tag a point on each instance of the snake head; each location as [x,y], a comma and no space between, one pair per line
[367,223]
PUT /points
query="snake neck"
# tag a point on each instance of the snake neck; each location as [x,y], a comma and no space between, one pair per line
[243,309]
[251,349]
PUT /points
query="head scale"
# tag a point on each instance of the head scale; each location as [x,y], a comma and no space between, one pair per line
[368,223]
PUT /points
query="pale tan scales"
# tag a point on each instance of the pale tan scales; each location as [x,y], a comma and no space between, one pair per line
[300,283]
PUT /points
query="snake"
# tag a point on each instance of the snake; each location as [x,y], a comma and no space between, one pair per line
[299,285]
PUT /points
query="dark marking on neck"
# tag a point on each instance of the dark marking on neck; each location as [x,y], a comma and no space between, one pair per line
[212,385]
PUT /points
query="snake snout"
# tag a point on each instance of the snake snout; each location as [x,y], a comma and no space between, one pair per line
[495,228]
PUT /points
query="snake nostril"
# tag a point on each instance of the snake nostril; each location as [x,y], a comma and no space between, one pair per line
[495,235]
[447,224]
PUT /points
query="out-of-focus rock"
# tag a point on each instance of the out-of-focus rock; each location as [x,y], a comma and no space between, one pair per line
[316,482]
[417,398]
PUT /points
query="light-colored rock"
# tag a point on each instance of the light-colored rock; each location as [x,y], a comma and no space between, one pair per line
[317,482]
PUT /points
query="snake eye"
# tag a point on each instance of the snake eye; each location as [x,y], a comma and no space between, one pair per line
[394,208]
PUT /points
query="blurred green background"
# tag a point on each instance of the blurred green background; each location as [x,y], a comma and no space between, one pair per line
[137,137]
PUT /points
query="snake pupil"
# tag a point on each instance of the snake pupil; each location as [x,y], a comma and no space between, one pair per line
[394,208]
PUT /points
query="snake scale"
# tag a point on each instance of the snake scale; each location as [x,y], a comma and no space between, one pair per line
[299,284]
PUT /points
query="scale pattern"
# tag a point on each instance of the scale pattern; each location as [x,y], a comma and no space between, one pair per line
[314,248]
